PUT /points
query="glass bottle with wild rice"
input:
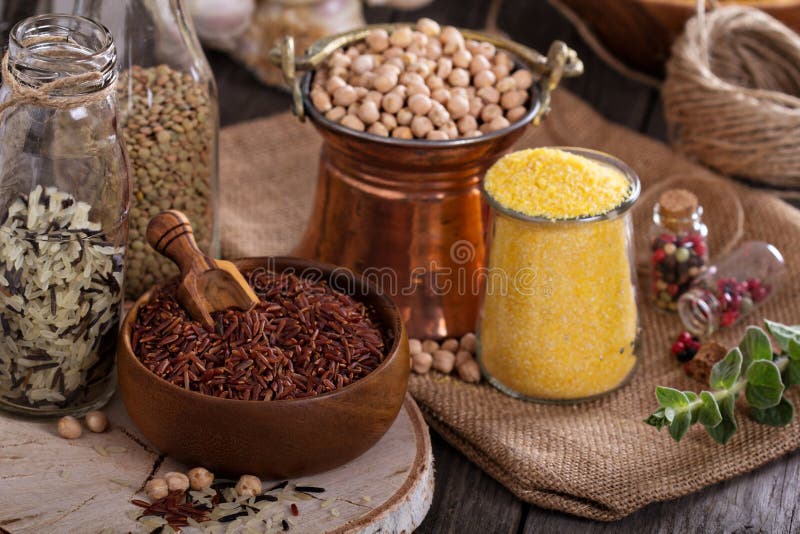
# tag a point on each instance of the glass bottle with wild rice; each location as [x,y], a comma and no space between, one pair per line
[64,198]
[169,120]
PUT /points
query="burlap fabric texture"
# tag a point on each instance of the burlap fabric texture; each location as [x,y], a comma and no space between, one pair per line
[597,460]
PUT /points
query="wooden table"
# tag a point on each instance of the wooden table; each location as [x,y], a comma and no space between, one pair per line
[466,499]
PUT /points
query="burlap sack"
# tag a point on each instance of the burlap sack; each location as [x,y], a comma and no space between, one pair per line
[597,460]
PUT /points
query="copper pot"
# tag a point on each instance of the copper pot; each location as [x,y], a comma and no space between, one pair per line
[408,214]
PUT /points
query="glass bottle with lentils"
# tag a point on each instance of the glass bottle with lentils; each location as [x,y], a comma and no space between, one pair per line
[64,197]
[169,120]
[679,252]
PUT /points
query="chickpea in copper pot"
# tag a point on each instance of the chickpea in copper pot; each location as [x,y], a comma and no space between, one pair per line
[423,81]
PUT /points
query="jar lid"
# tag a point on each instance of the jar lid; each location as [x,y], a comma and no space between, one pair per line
[677,204]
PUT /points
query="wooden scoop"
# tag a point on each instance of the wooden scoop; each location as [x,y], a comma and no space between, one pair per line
[207,285]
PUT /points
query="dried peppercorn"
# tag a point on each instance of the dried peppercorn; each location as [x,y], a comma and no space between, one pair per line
[685,347]
[679,252]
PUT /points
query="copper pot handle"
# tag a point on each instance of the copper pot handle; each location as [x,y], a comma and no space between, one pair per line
[561,61]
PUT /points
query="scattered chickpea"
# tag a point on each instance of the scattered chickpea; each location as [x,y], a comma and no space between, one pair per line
[200,478]
[450,344]
[384,83]
[248,486]
[469,371]
[96,421]
[444,67]
[434,82]
[421,362]
[444,361]
[177,481]
[156,488]
[69,428]
[469,342]
[414,346]
[353,122]
[430,345]
[462,356]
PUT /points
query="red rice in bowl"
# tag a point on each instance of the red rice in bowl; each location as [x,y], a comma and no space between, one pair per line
[303,339]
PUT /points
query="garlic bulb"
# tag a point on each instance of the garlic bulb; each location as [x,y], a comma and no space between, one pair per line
[220,22]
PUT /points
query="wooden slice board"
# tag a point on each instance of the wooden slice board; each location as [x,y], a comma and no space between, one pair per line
[49,484]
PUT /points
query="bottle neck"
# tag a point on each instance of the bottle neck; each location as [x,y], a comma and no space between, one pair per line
[692,222]
[61,56]
[699,310]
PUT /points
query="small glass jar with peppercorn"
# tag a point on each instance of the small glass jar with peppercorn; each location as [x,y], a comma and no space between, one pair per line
[678,246]
[732,288]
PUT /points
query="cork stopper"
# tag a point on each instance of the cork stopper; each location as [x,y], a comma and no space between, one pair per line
[677,204]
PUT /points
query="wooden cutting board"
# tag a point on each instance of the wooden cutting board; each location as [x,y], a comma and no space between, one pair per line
[49,484]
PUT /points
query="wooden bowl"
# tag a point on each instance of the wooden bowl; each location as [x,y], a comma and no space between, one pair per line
[279,438]
[641,32]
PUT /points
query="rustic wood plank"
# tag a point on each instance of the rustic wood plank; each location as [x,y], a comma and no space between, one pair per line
[762,501]
[49,484]
[466,499]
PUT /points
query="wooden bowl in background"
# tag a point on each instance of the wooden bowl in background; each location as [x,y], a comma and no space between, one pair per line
[279,438]
[640,32]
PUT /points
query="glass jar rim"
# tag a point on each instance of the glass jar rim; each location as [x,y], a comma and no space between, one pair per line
[595,155]
[16,38]
[32,40]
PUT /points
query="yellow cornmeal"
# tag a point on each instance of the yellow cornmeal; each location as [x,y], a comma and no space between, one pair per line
[565,326]
[552,183]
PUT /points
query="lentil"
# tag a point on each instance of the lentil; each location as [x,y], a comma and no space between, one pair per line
[169,127]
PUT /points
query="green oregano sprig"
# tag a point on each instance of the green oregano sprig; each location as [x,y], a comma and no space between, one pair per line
[751,368]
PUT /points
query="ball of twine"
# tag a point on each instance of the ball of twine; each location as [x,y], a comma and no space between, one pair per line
[732,95]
